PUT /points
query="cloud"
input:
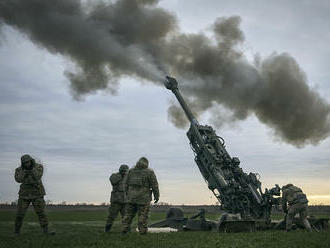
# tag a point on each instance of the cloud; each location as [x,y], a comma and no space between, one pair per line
[139,39]
[82,142]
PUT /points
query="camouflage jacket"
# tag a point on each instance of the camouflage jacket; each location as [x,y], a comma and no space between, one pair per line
[30,180]
[140,183]
[292,195]
[117,193]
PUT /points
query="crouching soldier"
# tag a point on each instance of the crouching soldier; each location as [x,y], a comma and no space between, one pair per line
[298,203]
[117,201]
[140,183]
[31,191]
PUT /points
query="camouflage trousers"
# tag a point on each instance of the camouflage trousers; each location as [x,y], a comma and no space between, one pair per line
[142,211]
[301,209]
[114,209]
[39,208]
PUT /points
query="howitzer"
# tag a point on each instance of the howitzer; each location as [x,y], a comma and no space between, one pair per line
[236,191]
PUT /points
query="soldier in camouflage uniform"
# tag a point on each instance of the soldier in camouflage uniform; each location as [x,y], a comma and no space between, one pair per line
[297,201]
[140,183]
[117,200]
[31,191]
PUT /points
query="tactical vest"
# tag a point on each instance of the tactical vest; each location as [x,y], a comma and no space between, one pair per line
[138,178]
[139,188]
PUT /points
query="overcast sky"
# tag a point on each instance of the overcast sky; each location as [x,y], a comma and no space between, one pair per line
[82,142]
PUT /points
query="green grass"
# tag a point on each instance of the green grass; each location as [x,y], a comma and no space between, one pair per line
[85,229]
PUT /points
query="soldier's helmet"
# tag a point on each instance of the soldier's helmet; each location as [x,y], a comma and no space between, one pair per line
[287,186]
[142,163]
[26,158]
[235,161]
[123,168]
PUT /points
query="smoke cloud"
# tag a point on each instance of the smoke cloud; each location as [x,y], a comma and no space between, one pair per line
[137,38]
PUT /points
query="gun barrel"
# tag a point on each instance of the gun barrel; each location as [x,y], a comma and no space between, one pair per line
[171,84]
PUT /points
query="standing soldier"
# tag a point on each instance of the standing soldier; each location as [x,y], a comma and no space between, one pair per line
[31,191]
[140,183]
[117,201]
[297,201]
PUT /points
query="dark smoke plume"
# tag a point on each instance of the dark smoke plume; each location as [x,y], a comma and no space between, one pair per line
[139,39]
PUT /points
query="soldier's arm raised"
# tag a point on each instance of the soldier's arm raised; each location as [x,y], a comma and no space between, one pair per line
[19,175]
[37,172]
[154,186]
[114,178]
[33,176]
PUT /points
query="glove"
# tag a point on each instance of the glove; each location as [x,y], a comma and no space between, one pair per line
[156,200]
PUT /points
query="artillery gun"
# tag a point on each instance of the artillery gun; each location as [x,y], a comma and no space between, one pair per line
[236,191]
[247,207]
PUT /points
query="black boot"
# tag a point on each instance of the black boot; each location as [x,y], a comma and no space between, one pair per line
[46,231]
[17,229]
[18,225]
[107,227]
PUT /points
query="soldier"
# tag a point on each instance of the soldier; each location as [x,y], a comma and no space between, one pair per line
[140,183]
[117,201]
[31,191]
[297,201]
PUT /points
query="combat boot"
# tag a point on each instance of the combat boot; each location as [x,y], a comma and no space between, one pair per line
[17,230]
[107,227]
[46,231]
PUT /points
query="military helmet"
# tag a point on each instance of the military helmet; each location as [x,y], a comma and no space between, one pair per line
[26,158]
[142,163]
[235,161]
[123,168]
[287,186]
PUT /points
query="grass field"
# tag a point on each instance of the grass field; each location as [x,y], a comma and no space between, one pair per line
[85,229]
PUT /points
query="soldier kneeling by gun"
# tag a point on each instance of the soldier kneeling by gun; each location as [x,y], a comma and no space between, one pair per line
[31,191]
[298,203]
